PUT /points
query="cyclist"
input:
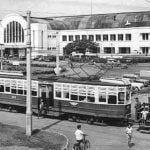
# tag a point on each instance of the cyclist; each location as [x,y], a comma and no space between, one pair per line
[79,136]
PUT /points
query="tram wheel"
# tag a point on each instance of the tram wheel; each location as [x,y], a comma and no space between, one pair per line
[74,118]
[90,120]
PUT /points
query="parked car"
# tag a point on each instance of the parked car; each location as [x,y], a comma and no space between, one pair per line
[113,62]
[144,81]
[136,86]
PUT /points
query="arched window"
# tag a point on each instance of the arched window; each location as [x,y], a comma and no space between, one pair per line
[13,33]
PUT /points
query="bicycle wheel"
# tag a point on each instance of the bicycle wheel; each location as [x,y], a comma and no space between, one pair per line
[76,147]
[87,144]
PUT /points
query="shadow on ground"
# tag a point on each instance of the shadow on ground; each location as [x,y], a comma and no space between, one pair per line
[16,136]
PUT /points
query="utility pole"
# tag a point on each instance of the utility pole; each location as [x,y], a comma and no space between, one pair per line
[29,98]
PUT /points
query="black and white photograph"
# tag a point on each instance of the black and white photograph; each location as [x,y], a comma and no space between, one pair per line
[74,75]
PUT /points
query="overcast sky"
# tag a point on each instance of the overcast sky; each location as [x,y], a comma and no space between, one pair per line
[42,8]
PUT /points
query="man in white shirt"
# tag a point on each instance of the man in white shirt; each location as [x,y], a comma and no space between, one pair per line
[144,115]
[129,132]
[79,135]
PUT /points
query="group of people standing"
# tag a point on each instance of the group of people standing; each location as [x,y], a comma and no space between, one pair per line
[141,111]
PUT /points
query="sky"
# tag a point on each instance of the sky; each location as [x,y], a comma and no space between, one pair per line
[48,8]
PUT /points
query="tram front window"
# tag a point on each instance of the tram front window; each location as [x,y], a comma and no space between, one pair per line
[112,99]
[121,97]
[58,94]
[1,88]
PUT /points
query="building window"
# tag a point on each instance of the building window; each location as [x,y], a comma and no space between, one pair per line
[113,37]
[98,37]
[77,37]
[13,33]
[64,38]
[109,50]
[128,37]
[70,37]
[91,37]
[124,50]
[105,37]
[84,37]
[120,37]
[144,36]
[145,50]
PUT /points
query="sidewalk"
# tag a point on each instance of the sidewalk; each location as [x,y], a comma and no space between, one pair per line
[42,124]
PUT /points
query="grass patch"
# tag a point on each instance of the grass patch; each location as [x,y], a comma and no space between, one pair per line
[16,136]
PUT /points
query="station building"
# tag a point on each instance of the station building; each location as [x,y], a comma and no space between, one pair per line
[117,34]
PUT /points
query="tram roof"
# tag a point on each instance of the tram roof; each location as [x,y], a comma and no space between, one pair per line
[82,80]
[88,82]
[96,21]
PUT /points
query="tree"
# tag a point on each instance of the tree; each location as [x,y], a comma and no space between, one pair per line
[81,47]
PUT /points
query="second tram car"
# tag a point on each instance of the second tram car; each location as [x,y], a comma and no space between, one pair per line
[70,97]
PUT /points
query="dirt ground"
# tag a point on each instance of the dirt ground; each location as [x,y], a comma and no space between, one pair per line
[14,138]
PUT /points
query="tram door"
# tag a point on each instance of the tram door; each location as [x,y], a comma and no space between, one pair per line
[46,94]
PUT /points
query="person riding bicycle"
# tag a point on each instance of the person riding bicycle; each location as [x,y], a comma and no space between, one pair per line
[79,135]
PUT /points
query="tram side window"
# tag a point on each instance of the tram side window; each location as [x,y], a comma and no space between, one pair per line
[13,90]
[13,86]
[7,89]
[1,88]
[20,91]
[121,97]
[66,95]
[58,93]
[112,99]
[91,94]
[7,86]
[74,97]
[102,98]
[66,91]
[82,98]
[91,99]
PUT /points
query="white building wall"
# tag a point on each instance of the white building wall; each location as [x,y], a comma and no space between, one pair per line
[135,43]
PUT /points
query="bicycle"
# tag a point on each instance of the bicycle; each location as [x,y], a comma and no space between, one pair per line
[85,145]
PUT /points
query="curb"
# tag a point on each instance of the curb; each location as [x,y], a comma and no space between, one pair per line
[67,143]
[65,147]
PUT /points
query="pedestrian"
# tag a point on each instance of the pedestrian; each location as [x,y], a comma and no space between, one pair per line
[137,108]
[144,113]
[41,107]
[129,134]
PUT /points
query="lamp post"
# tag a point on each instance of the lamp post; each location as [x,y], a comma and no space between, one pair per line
[57,69]
[1,56]
[29,98]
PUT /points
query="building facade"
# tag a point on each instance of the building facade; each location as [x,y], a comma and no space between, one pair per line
[117,35]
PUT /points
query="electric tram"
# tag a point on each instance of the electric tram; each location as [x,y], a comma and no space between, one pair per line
[71,97]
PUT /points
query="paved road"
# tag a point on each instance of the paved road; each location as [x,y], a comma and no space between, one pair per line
[101,137]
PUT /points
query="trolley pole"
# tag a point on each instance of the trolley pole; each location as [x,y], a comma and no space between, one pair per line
[29,98]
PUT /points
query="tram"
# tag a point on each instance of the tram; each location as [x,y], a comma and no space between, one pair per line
[70,97]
